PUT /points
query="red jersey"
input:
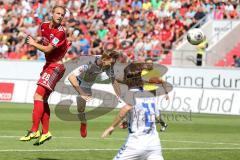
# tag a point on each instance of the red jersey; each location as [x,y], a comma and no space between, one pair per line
[57,37]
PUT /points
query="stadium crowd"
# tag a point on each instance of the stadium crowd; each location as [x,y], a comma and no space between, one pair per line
[138,28]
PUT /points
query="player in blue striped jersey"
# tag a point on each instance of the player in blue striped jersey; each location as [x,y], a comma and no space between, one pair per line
[143,141]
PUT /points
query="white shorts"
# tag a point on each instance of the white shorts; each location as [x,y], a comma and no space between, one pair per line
[133,154]
[141,147]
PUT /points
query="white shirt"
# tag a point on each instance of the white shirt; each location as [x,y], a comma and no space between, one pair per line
[141,118]
[2,11]
[3,48]
[229,7]
[122,22]
[141,124]
[176,4]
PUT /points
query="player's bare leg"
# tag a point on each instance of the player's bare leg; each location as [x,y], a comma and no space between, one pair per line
[81,104]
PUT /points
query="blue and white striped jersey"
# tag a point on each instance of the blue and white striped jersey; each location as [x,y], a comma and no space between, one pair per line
[141,119]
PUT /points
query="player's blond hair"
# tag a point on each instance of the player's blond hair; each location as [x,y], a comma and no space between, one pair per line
[59,6]
[108,54]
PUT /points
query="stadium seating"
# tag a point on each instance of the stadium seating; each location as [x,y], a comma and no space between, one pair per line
[228,60]
[105,19]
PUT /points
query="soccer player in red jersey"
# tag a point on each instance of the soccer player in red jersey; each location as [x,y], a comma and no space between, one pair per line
[54,45]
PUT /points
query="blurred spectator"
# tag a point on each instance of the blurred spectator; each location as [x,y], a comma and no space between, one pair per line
[156,4]
[199,14]
[122,21]
[102,32]
[146,5]
[84,44]
[80,45]
[3,10]
[136,5]
[139,28]
[147,46]
[4,48]
[96,44]
[236,61]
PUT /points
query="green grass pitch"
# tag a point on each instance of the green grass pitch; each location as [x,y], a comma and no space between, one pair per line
[199,137]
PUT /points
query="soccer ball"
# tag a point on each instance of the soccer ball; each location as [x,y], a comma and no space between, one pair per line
[195,36]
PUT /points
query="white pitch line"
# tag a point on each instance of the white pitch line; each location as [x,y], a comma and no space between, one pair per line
[198,142]
[123,139]
[105,149]
[57,150]
[90,138]
[200,148]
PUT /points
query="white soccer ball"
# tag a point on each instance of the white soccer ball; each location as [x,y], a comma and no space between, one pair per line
[195,36]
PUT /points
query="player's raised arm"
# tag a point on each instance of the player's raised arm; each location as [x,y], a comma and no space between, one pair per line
[122,113]
[56,39]
[46,49]
[75,83]
[116,87]
[114,56]
[164,84]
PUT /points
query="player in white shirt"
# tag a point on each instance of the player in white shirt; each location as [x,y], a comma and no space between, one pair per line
[85,76]
[143,141]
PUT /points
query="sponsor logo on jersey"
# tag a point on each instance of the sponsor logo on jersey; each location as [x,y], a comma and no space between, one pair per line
[55,41]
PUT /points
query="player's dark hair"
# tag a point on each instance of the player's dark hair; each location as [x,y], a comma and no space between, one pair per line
[59,6]
[132,75]
[148,66]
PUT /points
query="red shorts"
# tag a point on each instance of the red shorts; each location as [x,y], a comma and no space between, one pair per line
[50,75]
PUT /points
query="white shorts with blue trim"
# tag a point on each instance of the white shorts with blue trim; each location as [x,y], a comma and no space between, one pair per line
[126,153]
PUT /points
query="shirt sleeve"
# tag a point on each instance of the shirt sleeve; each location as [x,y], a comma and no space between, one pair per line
[58,39]
[103,76]
[79,70]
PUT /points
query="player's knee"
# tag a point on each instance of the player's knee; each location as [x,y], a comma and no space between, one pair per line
[81,107]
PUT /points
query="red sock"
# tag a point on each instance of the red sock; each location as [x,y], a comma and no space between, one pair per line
[45,118]
[37,114]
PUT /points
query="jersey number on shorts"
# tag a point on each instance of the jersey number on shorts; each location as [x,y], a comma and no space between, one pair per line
[149,118]
[45,77]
